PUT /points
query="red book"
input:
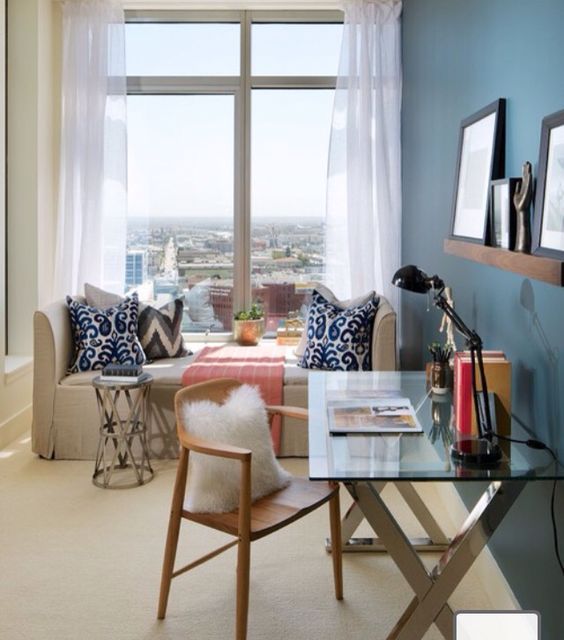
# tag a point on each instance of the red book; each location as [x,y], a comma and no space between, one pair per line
[463,397]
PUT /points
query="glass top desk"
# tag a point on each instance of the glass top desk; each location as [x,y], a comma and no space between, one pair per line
[365,463]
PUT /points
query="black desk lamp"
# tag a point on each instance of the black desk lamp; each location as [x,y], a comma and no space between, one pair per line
[480,451]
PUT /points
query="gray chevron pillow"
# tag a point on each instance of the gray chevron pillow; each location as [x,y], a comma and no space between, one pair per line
[160,331]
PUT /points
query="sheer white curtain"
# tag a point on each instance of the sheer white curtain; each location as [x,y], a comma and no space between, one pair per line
[91,223]
[363,241]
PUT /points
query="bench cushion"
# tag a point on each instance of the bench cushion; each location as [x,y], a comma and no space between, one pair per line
[167,371]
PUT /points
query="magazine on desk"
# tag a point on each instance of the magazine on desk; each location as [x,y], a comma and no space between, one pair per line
[376,415]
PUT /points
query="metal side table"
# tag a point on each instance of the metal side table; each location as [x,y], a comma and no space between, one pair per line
[124,412]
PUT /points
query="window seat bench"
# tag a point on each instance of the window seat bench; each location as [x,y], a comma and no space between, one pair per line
[65,415]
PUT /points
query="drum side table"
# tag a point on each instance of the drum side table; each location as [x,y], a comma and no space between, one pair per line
[124,414]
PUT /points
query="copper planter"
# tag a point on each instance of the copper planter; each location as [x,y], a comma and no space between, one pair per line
[248,333]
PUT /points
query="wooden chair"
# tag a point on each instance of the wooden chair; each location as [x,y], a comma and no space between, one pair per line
[250,521]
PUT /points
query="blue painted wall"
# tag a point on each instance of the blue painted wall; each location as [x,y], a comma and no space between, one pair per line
[458,56]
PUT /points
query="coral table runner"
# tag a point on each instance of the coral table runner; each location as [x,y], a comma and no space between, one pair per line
[262,366]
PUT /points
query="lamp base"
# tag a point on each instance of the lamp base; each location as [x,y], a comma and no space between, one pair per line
[476,452]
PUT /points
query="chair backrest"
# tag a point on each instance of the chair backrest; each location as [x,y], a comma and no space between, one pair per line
[215,390]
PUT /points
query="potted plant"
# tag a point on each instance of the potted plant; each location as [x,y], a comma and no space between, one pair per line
[248,326]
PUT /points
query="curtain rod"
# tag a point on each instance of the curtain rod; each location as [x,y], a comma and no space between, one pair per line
[296,5]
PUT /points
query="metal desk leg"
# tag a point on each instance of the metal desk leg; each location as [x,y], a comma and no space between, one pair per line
[437,537]
[398,546]
[350,522]
[437,540]
[433,590]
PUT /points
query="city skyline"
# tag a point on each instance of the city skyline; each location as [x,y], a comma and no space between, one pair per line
[181,257]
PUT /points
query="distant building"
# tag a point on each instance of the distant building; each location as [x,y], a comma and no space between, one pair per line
[199,314]
[282,297]
[166,285]
[221,298]
[279,299]
[135,267]
[276,299]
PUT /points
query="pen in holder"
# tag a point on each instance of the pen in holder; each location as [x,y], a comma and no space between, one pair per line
[440,368]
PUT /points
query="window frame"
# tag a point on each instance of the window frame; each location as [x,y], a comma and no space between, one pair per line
[240,87]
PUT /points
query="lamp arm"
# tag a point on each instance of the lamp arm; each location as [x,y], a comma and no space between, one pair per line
[474,343]
[442,303]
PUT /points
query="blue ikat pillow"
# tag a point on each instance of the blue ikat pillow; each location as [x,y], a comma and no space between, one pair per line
[103,336]
[339,339]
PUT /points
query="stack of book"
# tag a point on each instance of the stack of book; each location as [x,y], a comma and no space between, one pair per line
[498,377]
[116,372]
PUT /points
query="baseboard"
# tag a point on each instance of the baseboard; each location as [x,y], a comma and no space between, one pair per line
[15,426]
[493,582]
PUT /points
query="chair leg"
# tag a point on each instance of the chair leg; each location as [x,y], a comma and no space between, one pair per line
[173,531]
[168,563]
[243,575]
[336,544]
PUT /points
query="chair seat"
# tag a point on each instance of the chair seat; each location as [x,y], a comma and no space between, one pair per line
[272,512]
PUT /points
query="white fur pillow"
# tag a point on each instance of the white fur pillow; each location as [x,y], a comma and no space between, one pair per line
[213,483]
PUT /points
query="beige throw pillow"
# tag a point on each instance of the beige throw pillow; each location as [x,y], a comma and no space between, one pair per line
[96,297]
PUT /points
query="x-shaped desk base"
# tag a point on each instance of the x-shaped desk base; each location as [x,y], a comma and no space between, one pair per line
[437,539]
[432,589]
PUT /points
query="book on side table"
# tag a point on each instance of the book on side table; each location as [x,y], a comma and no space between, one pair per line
[116,372]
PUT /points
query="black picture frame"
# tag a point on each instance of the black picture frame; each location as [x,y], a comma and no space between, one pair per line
[548,229]
[503,216]
[481,159]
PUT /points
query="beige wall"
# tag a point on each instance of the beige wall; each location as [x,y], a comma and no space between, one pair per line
[2,188]
[33,89]
[22,173]
[32,147]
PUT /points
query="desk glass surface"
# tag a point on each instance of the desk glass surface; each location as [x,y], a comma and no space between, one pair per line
[406,456]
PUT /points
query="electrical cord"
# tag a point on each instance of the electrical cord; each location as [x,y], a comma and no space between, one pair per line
[537,444]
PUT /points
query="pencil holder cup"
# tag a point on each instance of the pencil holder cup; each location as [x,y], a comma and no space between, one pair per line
[440,377]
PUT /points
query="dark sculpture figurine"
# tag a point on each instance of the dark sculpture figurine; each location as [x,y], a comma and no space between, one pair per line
[522,201]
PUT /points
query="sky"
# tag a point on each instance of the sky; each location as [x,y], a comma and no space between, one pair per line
[181,150]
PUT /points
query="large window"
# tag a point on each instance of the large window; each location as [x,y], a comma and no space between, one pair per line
[229,116]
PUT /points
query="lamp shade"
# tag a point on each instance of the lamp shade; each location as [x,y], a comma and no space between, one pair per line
[412,278]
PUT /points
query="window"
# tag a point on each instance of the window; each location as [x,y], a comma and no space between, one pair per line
[290,136]
[180,201]
[182,49]
[229,116]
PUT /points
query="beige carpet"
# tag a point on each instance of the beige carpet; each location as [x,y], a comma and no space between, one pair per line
[82,563]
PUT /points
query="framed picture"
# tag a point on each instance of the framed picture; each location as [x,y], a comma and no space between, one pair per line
[548,232]
[481,158]
[503,216]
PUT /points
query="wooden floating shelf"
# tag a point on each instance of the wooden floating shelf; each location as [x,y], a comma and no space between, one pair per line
[536,267]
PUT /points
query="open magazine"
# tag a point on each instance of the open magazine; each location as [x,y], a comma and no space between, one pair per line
[377,415]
